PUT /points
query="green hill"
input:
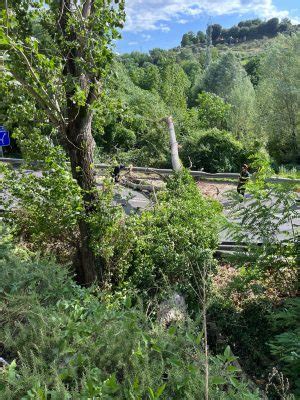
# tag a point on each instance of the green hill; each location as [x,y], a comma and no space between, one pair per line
[247,39]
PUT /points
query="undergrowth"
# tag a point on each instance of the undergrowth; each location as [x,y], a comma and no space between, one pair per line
[62,341]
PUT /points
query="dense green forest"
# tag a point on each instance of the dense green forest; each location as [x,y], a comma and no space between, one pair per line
[96,303]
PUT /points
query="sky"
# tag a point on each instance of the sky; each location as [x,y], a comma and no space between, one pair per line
[161,23]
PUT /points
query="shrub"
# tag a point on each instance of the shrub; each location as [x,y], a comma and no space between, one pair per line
[72,345]
[213,111]
[270,208]
[247,330]
[286,345]
[266,274]
[48,202]
[161,247]
[214,151]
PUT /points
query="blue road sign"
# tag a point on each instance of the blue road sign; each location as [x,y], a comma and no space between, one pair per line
[4,137]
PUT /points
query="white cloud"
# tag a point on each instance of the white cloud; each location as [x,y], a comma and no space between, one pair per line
[154,14]
[146,37]
[164,28]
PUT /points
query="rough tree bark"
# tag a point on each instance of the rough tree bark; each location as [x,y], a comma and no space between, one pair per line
[80,34]
[79,144]
[176,163]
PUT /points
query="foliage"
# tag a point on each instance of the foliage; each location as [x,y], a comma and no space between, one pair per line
[268,207]
[18,112]
[250,301]
[146,77]
[60,53]
[212,111]
[160,248]
[224,75]
[32,28]
[289,172]
[213,150]
[131,130]
[49,202]
[55,344]
[62,341]
[247,329]
[243,307]
[278,98]
[285,345]
[175,85]
[245,30]
[227,78]
[242,113]
[252,69]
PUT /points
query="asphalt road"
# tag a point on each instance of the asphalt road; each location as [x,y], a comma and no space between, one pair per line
[134,201]
[131,200]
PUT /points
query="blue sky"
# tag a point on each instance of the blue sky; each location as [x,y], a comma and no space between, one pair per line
[161,23]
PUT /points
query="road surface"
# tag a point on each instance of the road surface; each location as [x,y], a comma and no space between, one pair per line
[135,201]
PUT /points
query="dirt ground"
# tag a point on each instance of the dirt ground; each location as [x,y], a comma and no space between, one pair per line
[216,190]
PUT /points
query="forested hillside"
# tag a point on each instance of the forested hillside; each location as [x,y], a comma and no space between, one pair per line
[212,94]
[211,91]
[193,295]
[242,32]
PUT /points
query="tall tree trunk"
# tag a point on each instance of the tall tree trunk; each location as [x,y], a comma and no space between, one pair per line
[79,144]
[176,163]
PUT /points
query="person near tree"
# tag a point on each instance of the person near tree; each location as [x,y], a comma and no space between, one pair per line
[243,179]
[117,171]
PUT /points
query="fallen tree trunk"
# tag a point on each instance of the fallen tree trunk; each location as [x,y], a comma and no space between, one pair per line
[176,163]
[140,186]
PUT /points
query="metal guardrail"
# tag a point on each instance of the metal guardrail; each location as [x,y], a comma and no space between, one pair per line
[166,172]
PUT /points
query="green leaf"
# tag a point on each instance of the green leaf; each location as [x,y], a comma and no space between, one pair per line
[175,362]
[136,384]
[160,391]
[232,368]
[128,302]
[156,348]
[191,337]
[199,338]
[111,385]
[172,330]
[218,380]
[234,382]
[151,393]
[3,40]
[227,352]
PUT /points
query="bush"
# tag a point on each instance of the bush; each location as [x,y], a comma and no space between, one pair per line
[64,342]
[213,112]
[162,247]
[214,151]
[272,206]
[49,202]
[248,312]
[286,345]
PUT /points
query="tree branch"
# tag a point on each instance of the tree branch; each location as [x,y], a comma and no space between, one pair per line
[41,101]
[86,8]
[6,11]
[36,79]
